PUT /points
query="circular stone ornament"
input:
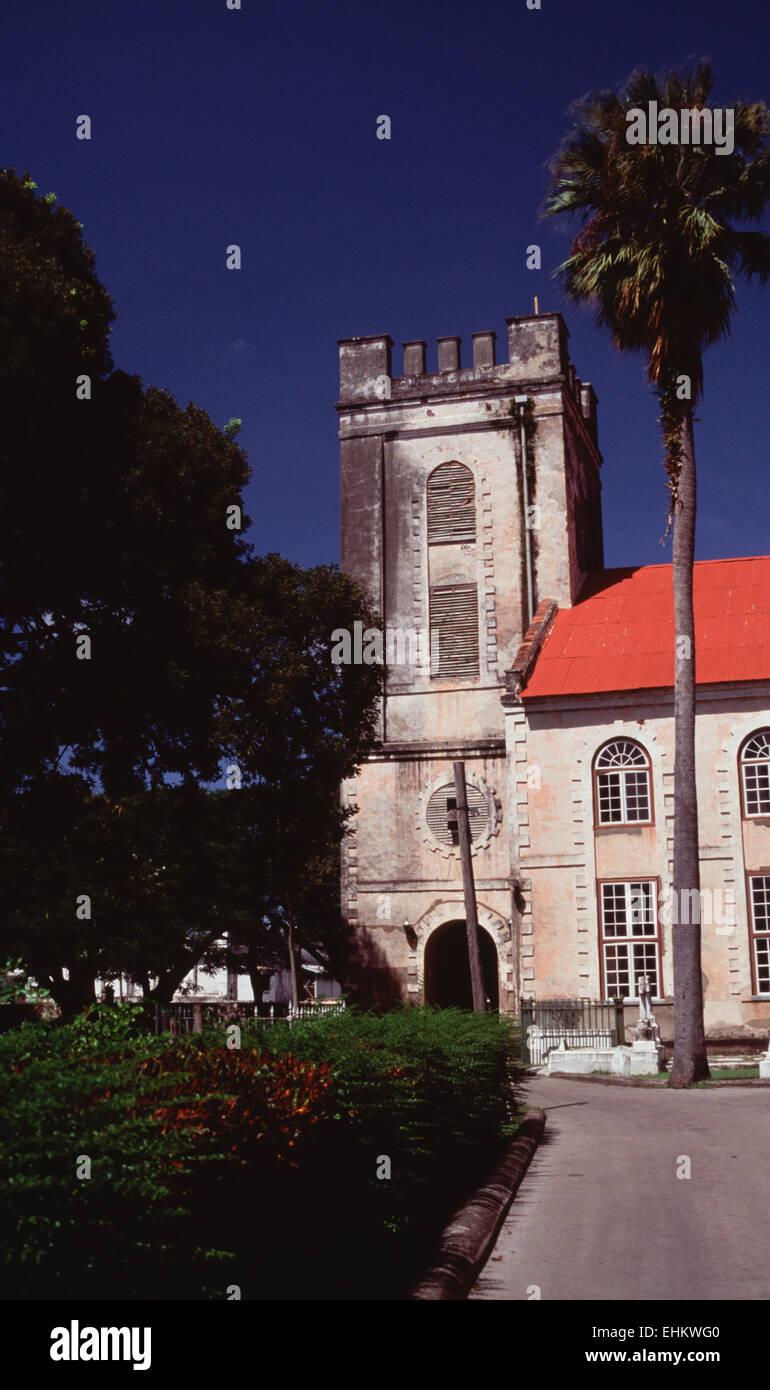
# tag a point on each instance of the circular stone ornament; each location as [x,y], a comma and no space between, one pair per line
[484,815]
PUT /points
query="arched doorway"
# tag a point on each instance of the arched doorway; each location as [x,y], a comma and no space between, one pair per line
[447,972]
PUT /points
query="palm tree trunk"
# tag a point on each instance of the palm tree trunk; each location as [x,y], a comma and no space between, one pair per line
[690,1063]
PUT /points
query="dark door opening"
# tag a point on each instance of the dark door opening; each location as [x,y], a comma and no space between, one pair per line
[447,972]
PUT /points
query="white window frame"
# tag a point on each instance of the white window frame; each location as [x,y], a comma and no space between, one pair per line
[760,936]
[650,939]
[755,764]
[622,773]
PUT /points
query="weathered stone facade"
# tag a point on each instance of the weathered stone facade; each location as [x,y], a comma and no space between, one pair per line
[394,432]
[528,534]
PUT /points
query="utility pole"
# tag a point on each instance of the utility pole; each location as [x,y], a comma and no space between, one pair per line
[469,891]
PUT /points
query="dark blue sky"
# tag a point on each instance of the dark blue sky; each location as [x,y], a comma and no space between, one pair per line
[257,126]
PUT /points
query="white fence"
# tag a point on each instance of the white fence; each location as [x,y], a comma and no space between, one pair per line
[540,1041]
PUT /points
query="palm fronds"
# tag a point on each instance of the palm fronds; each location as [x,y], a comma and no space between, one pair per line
[658,248]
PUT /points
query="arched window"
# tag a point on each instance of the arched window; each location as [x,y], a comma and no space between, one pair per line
[755,774]
[451,504]
[622,773]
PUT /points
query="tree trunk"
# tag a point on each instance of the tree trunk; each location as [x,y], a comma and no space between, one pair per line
[171,978]
[260,983]
[76,993]
[292,955]
[690,1063]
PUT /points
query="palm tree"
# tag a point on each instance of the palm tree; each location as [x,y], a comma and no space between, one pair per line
[655,258]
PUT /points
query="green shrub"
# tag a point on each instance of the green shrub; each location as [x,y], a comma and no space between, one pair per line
[431,1089]
[255,1166]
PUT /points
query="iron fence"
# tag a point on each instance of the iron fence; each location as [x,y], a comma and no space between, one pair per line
[545,1023]
[193,1016]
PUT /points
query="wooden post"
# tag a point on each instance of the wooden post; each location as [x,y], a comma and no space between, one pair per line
[469,891]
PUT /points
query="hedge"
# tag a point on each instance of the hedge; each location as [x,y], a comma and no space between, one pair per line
[319,1161]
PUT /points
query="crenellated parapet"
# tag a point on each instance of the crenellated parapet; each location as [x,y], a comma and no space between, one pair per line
[538,359]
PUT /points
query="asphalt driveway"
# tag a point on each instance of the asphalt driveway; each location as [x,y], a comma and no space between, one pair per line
[602,1213]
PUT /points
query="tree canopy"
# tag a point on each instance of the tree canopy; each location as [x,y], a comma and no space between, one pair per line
[662,233]
[146,650]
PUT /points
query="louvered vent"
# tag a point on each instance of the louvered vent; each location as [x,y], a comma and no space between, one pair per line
[455,620]
[438,813]
[451,504]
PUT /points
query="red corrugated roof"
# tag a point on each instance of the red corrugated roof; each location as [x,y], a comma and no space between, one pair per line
[620,634]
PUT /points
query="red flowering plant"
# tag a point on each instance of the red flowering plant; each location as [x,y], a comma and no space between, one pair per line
[246,1103]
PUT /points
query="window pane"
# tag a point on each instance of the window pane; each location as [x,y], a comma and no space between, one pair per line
[637,796]
[760,922]
[614,909]
[646,963]
[758,746]
[616,973]
[760,903]
[756,782]
[610,808]
[622,753]
[641,910]
[762,948]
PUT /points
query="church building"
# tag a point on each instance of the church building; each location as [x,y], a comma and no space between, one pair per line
[471,513]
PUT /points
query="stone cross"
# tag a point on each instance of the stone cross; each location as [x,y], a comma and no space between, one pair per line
[647,1030]
[645,996]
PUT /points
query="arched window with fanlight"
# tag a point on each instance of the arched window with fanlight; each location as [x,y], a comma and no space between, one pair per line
[755,774]
[622,784]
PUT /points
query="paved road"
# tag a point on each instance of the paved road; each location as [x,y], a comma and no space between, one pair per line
[601,1213]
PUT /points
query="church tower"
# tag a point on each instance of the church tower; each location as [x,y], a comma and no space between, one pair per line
[469,496]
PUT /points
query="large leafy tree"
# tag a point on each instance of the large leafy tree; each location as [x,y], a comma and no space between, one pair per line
[297,727]
[664,234]
[55,318]
[93,886]
[114,525]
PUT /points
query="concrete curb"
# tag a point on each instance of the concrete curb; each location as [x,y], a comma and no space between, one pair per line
[472,1232]
[601,1079]
[659,1083]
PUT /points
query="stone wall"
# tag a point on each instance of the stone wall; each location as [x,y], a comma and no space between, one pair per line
[395,871]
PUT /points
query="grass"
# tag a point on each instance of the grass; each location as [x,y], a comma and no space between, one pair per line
[732,1074]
